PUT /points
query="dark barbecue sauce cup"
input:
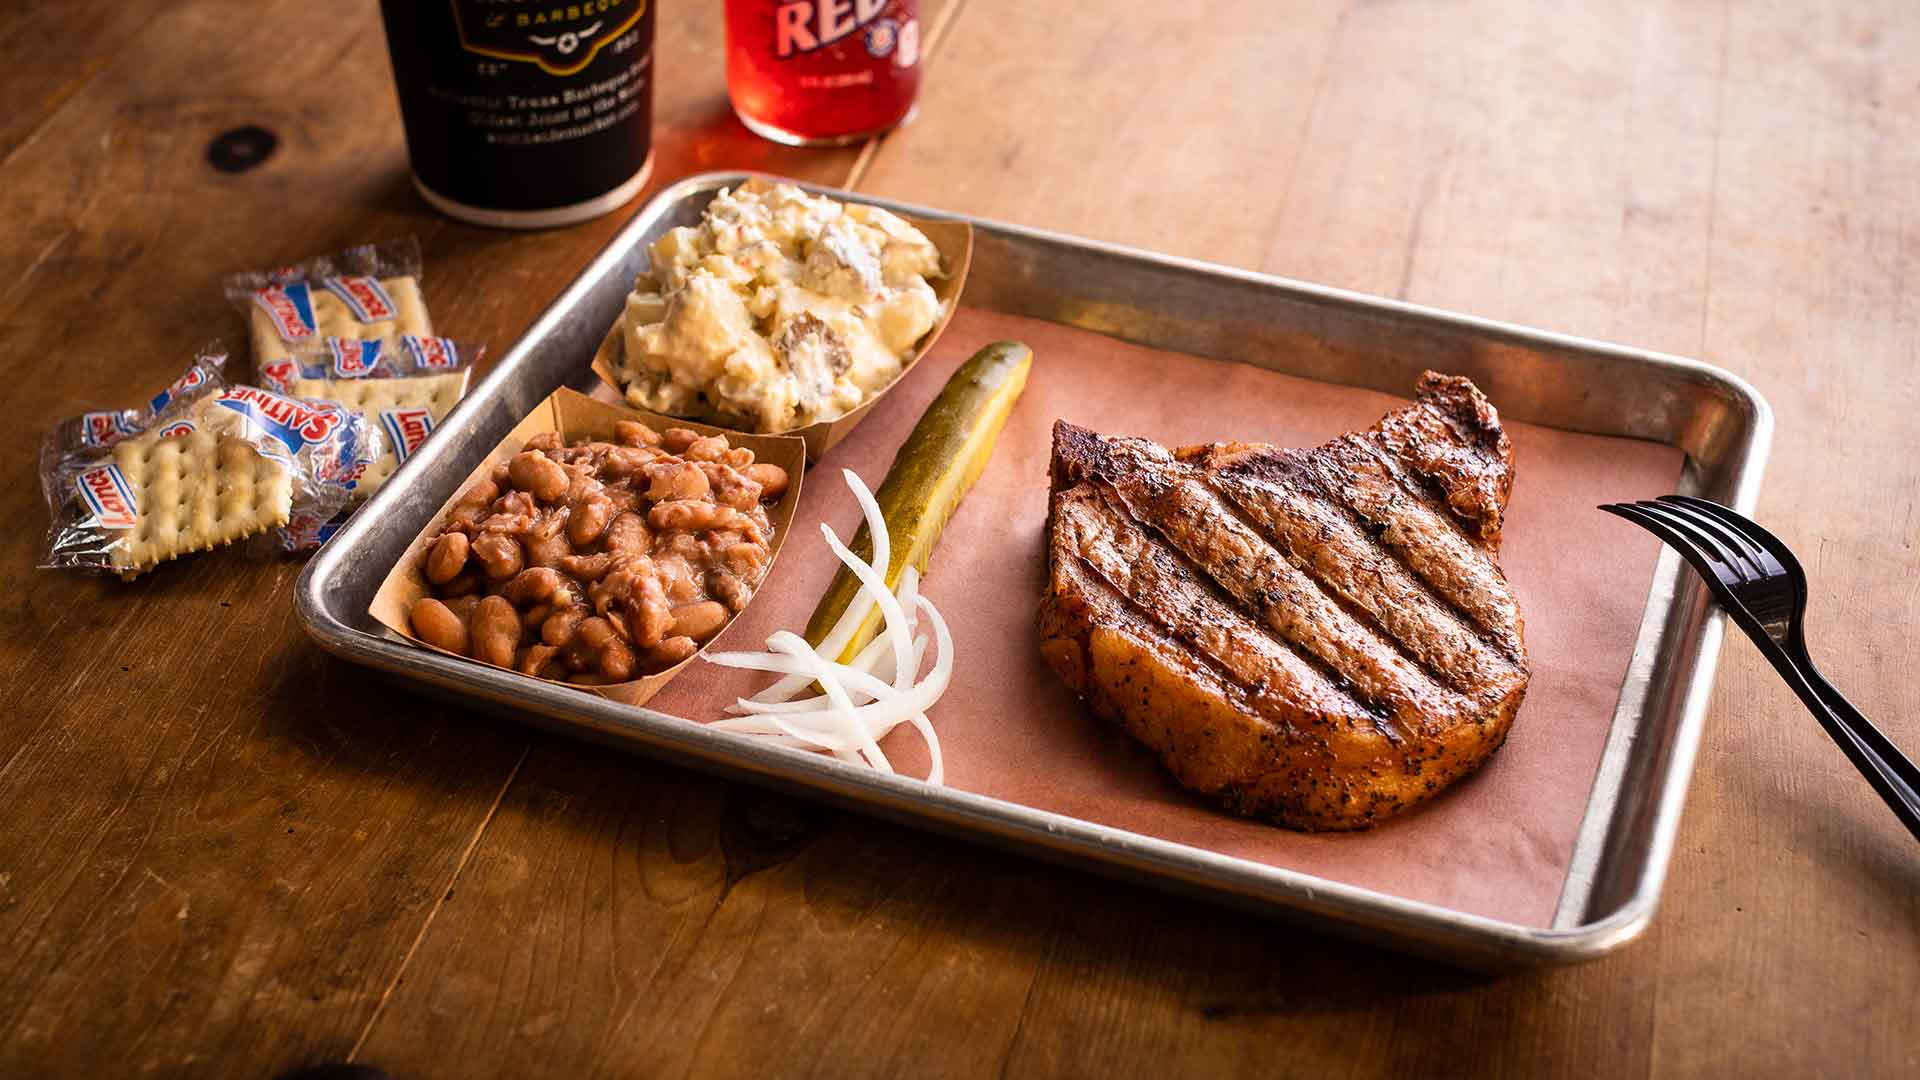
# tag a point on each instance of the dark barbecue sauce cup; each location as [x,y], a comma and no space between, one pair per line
[525,113]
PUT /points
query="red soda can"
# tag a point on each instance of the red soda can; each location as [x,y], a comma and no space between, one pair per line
[810,72]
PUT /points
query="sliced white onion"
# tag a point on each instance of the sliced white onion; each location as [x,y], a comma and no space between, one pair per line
[881,541]
[884,675]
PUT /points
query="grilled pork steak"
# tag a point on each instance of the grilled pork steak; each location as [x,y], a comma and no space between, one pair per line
[1318,637]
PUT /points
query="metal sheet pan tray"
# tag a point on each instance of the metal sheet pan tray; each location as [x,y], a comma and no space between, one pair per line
[1626,838]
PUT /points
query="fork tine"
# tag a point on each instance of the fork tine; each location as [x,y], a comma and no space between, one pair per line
[1770,546]
[1736,550]
[1705,563]
[1753,553]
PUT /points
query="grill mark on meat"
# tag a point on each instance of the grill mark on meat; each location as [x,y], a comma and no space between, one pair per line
[1165,594]
[1322,637]
[1234,751]
[1280,494]
[1480,614]
[1293,609]
[1330,677]
[1256,517]
[1441,553]
[1187,601]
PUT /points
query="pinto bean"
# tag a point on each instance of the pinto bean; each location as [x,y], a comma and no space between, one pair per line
[691,515]
[628,534]
[677,578]
[437,625]
[447,557]
[562,625]
[595,632]
[482,494]
[672,651]
[533,585]
[634,433]
[615,661]
[771,478]
[538,475]
[675,440]
[495,631]
[710,448]
[587,568]
[647,611]
[624,462]
[588,518]
[698,621]
[499,554]
[676,480]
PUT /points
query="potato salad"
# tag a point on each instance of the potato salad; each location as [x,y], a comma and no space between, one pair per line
[779,310]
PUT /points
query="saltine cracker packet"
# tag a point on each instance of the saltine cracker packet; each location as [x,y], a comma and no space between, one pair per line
[367,292]
[213,464]
[404,386]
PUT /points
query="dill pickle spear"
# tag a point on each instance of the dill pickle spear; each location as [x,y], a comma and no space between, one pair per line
[934,469]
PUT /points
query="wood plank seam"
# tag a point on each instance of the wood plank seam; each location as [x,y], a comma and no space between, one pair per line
[439,901]
[1713,175]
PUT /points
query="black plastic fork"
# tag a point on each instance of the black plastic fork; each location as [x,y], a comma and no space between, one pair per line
[1763,587]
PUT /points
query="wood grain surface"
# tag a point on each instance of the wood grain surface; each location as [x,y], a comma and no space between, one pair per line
[226,854]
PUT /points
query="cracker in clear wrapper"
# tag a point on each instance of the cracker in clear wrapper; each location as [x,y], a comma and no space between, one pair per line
[367,292]
[213,463]
[404,386]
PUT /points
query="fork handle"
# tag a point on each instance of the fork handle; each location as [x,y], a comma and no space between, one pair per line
[1902,768]
[1889,771]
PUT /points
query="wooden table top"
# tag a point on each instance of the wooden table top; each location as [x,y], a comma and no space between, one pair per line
[227,854]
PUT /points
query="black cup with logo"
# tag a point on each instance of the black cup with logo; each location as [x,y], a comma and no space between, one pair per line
[525,113]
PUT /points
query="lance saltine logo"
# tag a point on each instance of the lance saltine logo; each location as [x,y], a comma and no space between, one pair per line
[562,38]
[107,493]
[364,296]
[407,429]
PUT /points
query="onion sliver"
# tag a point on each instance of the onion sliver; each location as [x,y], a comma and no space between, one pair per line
[785,663]
[890,612]
[936,772]
[891,609]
